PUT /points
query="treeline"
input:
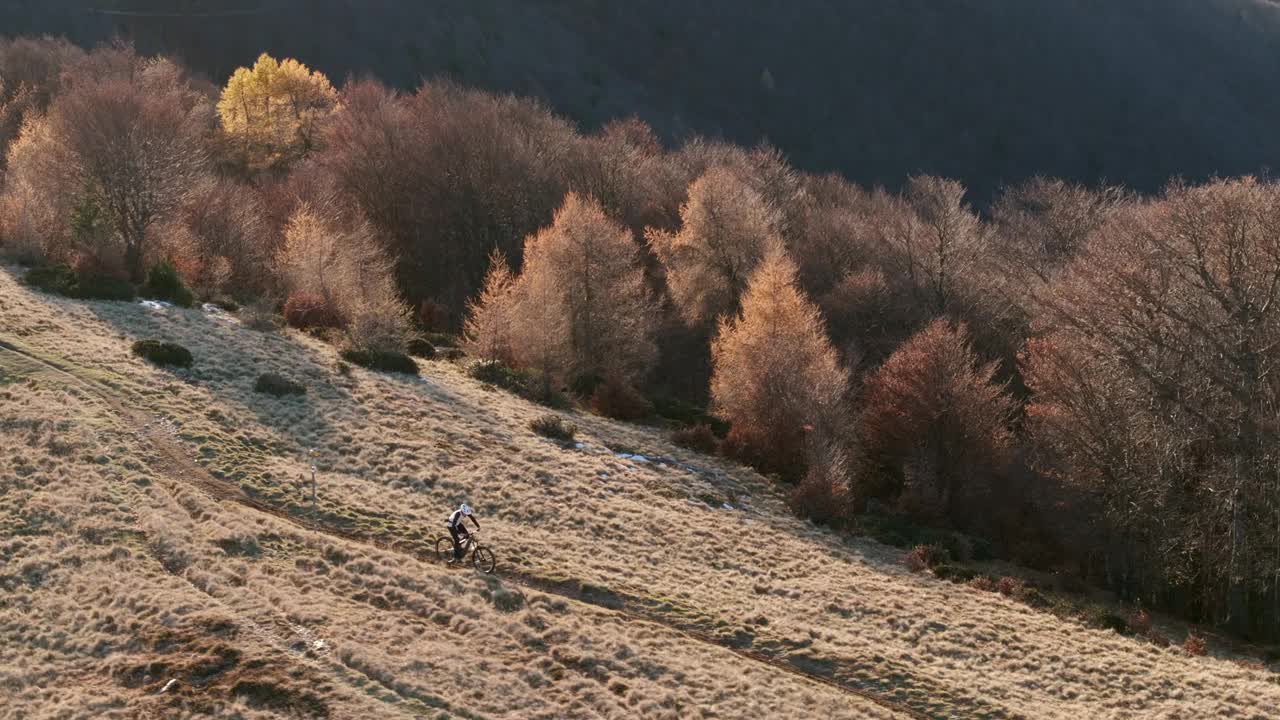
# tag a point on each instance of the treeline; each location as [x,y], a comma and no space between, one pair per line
[1084,376]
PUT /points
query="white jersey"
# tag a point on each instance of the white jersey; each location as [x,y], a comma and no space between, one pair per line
[455,519]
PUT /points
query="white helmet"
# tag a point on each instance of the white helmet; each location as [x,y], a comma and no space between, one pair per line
[466,509]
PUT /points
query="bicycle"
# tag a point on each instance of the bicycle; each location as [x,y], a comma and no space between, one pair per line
[482,558]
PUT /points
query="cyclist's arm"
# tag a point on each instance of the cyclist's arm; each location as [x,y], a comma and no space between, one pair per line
[475,522]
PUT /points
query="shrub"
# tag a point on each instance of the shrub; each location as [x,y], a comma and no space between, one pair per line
[984,583]
[684,413]
[1104,619]
[421,347]
[378,321]
[923,557]
[554,427]
[164,283]
[62,280]
[499,375]
[524,383]
[1035,598]
[821,498]
[1159,639]
[1010,586]
[620,401]
[698,437]
[1195,645]
[954,573]
[382,360]
[163,353]
[1139,622]
[305,310]
[278,385]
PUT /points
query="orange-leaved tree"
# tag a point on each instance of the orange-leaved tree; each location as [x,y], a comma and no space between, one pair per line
[935,425]
[585,310]
[726,230]
[487,331]
[271,111]
[776,378]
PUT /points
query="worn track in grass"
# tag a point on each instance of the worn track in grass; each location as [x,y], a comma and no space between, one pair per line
[899,693]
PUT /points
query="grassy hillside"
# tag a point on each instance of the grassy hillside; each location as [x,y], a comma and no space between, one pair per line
[155,529]
[988,91]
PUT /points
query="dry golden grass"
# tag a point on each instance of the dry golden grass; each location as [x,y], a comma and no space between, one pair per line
[119,577]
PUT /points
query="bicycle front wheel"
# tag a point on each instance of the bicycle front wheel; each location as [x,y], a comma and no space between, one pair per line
[483,560]
[444,549]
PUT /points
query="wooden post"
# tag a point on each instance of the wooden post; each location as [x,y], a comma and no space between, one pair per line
[313,480]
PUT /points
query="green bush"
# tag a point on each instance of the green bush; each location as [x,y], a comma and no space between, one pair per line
[1035,598]
[554,427]
[687,414]
[163,353]
[1103,619]
[954,573]
[62,280]
[164,283]
[382,360]
[524,383]
[278,385]
[442,340]
[420,347]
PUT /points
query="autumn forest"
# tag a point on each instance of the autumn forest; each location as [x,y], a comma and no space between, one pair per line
[1080,377]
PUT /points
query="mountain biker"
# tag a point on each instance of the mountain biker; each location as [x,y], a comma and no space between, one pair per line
[457,530]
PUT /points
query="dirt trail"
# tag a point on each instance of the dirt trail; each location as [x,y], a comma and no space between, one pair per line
[898,695]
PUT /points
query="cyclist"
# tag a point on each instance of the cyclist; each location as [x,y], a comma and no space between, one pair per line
[458,531]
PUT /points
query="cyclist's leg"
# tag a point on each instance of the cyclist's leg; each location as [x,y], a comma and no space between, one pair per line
[457,543]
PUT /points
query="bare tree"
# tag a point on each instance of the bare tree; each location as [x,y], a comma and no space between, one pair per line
[936,239]
[1156,392]
[138,143]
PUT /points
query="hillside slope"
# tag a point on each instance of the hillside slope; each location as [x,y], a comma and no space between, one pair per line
[988,91]
[155,530]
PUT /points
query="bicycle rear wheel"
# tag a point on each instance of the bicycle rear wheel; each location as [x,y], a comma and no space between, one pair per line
[444,549]
[483,560]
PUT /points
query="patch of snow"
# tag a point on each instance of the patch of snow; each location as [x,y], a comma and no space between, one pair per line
[217,312]
[155,304]
[726,506]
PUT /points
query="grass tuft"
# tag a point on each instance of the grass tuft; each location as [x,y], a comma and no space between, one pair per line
[554,427]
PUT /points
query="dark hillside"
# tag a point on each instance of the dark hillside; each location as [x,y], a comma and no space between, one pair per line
[989,91]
